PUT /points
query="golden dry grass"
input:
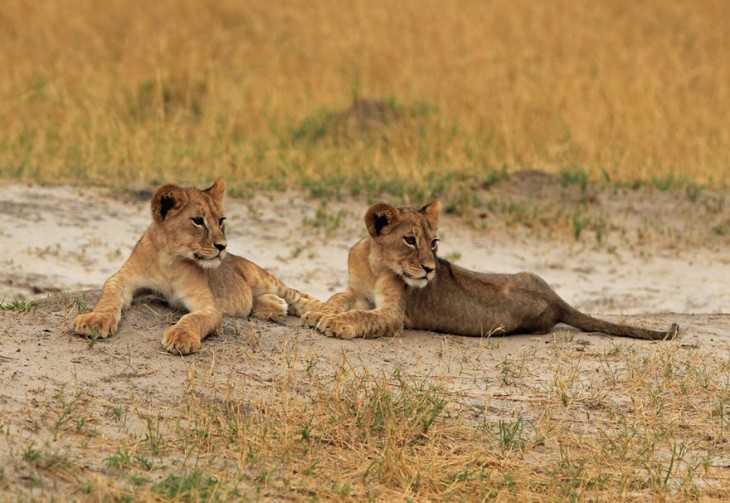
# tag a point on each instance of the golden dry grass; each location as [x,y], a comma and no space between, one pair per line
[134,91]
[614,422]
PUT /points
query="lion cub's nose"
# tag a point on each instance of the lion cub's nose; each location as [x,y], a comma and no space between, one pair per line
[220,246]
[427,268]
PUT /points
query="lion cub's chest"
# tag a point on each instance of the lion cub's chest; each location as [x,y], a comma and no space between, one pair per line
[366,297]
[191,288]
[177,293]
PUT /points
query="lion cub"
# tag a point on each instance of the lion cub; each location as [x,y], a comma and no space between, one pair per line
[182,257]
[396,281]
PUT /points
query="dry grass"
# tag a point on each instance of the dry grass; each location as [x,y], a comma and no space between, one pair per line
[140,92]
[597,422]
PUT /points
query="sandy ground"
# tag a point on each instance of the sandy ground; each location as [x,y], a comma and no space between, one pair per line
[658,260]
[663,258]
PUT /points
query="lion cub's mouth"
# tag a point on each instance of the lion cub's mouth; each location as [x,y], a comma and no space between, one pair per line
[417,282]
[209,262]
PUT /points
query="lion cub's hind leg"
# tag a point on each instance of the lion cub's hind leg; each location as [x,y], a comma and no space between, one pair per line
[272,299]
[269,307]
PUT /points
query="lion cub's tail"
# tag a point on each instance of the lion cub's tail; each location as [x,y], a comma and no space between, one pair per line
[575,318]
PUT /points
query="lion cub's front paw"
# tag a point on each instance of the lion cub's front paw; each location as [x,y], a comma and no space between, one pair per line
[311,318]
[177,339]
[269,307]
[96,324]
[334,325]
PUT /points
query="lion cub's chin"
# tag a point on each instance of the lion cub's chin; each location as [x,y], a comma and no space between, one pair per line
[211,263]
[416,282]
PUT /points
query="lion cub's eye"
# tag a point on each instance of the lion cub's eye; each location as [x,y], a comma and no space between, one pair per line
[198,221]
[410,240]
[435,243]
[221,220]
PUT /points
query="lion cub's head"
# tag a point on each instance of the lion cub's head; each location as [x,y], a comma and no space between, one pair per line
[406,239]
[191,222]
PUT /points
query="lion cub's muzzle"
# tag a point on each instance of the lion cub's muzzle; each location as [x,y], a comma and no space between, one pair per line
[419,281]
[211,260]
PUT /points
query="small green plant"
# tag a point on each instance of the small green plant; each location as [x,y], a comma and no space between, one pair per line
[494,175]
[664,183]
[138,481]
[306,430]
[341,491]
[574,175]
[579,223]
[194,486]
[22,306]
[507,371]
[31,455]
[693,191]
[120,460]
[81,304]
[153,436]
[117,412]
[463,475]
[143,462]
[65,412]
[510,434]
[93,338]
[310,365]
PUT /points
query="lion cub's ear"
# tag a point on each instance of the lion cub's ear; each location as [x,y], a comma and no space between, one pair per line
[379,218]
[167,200]
[217,191]
[431,212]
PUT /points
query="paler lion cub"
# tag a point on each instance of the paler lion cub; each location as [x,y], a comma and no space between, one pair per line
[182,257]
[396,281]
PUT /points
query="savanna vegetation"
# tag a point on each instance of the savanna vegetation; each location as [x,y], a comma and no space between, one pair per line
[266,414]
[367,97]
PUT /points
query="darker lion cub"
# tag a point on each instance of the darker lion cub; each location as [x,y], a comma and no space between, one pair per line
[396,280]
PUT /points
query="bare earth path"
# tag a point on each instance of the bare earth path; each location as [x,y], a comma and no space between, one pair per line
[651,258]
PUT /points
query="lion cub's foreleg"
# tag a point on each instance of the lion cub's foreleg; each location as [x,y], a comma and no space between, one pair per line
[338,303]
[187,334]
[338,319]
[203,318]
[116,296]
[362,323]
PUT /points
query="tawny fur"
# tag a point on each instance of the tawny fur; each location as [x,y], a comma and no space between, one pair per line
[182,257]
[396,280]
